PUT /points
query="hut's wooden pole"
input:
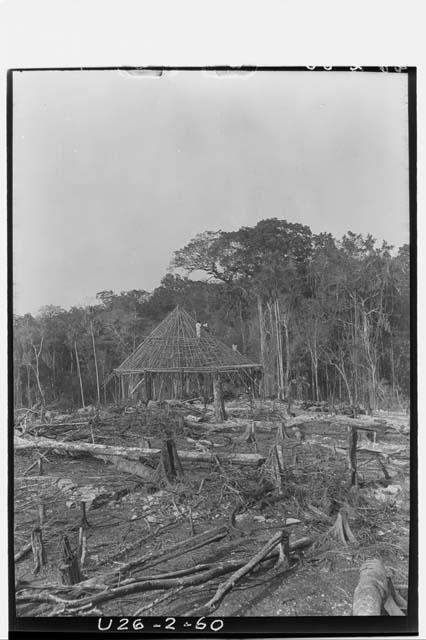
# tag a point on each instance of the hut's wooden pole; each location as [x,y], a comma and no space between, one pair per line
[219,405]
[148,386]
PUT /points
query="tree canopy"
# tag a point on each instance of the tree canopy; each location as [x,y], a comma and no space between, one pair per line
[328,319]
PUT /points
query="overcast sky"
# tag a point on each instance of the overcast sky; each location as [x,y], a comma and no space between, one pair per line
[114,172]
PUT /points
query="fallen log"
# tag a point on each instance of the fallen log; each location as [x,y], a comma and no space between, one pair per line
[47,487]
[373,593]
[363,423]
[134,453]
[129,466]
[23,552]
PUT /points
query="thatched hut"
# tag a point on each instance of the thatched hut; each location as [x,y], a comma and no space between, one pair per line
[180,356]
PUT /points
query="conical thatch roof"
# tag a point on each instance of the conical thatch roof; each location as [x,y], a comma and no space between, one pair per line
[173,346]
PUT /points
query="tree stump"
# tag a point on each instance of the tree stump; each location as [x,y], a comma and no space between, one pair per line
[70,567]
[281,433]
[353,440]
[84,522]
[276,468]
[250,435]
[41,506]
[39,552]
[284,550]
[219,405]
[170,467]
[82,544]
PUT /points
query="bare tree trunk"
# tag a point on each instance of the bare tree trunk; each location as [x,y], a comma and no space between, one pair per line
[262,343]
[96,363]
[392,362]
[280,364]
[344,377]
[36,370]
[287,357]
[29,399]
[327,385]
[104,385]
[79,374]
[312,377]
[18,388]
[242,329]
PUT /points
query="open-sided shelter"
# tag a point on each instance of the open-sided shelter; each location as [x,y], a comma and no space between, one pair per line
[180,355]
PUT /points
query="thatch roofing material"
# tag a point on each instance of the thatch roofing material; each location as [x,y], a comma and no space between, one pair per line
[173,346]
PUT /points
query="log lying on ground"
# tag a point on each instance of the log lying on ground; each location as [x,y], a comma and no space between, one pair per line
[134,453]
[23,552]
[47,487]
[373,592]
[366,423]
[129,466]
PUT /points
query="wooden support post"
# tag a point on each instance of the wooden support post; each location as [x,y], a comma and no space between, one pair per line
[219,405]
[148,386]
[181,385]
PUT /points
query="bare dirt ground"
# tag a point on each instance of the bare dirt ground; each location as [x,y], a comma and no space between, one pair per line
[130,519]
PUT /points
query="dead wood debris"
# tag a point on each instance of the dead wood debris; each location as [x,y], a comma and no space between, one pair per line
[375,592]
[282,472]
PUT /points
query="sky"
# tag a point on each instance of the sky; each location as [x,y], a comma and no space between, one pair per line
[114,171]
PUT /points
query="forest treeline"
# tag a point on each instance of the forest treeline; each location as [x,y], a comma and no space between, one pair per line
[328,319]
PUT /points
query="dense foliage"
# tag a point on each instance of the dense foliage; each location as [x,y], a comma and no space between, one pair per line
[329,320]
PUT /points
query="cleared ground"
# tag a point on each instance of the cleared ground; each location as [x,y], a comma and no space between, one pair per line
[131,519]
